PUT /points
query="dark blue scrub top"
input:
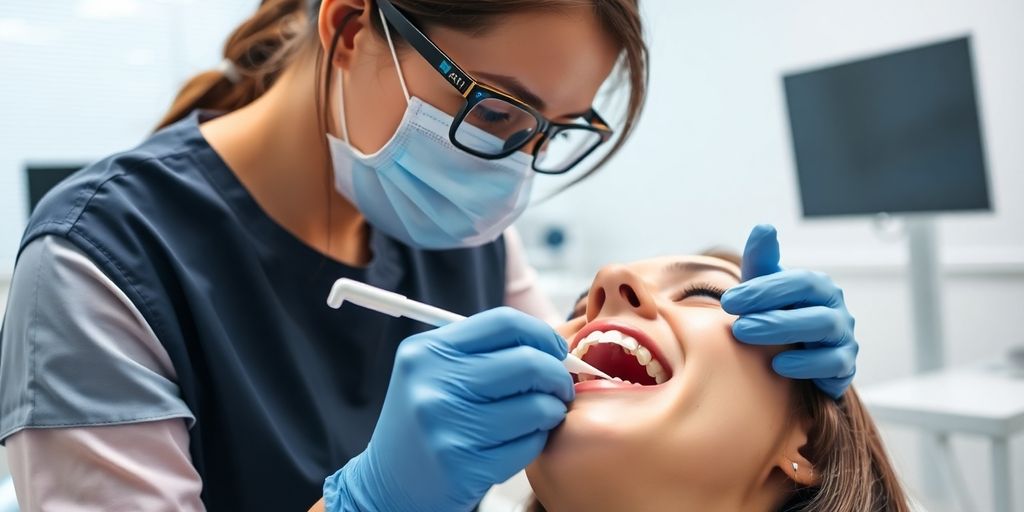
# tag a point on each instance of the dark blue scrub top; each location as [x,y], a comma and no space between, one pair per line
[284,389]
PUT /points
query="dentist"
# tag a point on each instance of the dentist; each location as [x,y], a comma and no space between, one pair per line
[167,345]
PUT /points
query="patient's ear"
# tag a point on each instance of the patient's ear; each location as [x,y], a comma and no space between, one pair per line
[792,462]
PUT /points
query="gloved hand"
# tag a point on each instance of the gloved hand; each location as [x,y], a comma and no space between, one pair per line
[468,406]
[779,306]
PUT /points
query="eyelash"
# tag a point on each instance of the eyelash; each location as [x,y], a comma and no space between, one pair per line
[701,290]
[694,290]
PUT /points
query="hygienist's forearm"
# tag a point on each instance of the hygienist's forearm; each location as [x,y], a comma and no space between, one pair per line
[318,506]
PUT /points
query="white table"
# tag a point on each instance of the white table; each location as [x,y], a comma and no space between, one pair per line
[985,400]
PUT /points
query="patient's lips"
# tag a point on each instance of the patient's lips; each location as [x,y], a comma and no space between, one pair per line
[622,351]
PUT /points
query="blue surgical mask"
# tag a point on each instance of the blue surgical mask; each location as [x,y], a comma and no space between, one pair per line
[422,190]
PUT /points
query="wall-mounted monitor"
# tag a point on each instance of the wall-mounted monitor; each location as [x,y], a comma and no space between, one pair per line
[42,177]
[892,133]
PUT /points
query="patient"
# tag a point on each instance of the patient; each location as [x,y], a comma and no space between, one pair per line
[699,420]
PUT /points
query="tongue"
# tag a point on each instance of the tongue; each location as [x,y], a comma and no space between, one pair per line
[614,361]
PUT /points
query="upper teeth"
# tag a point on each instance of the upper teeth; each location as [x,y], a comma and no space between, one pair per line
[629,345]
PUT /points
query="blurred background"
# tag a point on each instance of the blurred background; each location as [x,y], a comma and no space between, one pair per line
[713,155]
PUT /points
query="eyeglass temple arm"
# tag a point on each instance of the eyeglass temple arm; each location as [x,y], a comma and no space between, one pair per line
[595,119]
[443,64]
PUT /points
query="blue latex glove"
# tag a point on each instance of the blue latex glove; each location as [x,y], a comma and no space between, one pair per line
[468,406]
[779,306]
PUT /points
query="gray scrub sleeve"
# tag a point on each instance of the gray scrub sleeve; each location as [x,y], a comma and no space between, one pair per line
[74,350]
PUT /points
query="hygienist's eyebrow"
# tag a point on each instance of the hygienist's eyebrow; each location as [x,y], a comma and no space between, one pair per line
[513,86]
[692,267]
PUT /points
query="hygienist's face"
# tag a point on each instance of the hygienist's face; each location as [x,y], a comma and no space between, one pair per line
[711,426]
[553,60]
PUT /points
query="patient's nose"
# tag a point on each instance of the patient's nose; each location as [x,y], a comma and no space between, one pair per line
[616,291]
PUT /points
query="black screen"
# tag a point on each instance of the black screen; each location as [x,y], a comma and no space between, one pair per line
[41,178]
[895,133]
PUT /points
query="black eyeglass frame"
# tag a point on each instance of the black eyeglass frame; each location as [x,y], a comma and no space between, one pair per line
[475,92]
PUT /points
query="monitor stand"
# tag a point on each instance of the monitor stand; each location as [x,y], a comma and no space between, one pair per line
[925,293]
[929,348]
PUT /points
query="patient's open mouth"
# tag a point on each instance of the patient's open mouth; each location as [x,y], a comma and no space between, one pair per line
[623,352]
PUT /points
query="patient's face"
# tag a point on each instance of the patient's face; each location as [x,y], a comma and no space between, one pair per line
[709,417]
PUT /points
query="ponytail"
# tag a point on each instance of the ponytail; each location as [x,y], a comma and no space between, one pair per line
[254,56]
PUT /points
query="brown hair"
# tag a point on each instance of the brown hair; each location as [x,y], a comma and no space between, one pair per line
[849,457]
[843,444]
[260,49]
[266,43]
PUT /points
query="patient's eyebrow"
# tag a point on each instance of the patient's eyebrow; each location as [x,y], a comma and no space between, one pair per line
[692,267]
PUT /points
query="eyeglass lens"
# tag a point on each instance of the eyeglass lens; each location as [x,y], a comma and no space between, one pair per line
[494,126]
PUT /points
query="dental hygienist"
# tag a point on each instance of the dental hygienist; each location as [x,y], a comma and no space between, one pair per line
[167,345]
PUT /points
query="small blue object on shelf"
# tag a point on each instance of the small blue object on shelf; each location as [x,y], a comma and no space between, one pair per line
[554,238]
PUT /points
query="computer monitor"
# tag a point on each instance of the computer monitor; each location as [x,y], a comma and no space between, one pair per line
[893,133]
[42,177]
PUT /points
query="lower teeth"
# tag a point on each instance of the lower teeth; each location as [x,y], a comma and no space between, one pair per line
[584,378]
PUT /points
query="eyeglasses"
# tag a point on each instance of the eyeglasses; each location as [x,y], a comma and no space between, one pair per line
[493,124]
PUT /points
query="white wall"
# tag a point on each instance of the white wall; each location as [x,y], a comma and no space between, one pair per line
[82,78]
[712,157]
[716,127]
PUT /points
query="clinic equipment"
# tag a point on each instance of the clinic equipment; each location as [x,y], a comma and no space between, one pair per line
[397,305]
[41,177]
[895,133]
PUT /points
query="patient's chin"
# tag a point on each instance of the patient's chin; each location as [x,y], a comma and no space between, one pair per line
[587,426]
[592,439]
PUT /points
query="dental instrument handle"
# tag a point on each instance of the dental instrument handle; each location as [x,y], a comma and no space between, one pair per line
[396,305]
[389,303]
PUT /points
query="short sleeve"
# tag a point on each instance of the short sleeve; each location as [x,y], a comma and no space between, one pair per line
[138,466]
[75,351]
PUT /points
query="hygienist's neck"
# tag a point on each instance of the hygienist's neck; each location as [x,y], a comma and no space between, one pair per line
[277,149]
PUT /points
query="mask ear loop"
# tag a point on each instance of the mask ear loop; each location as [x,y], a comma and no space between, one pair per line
[341,105]
[341,79]
[394,55]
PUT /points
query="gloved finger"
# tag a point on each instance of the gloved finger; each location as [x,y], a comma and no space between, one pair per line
[781,326]
[761,253]
[788,288]
[834,387]
[500,328]
[513,456]
[519,415]
[817,363]
[517,370]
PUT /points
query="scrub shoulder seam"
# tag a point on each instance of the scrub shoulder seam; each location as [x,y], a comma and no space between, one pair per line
[84,199]
[113,264]
[189,417]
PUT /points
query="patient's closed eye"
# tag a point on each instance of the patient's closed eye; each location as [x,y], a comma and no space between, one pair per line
[700,290]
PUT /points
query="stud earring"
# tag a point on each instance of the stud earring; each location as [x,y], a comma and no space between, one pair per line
[795,467]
